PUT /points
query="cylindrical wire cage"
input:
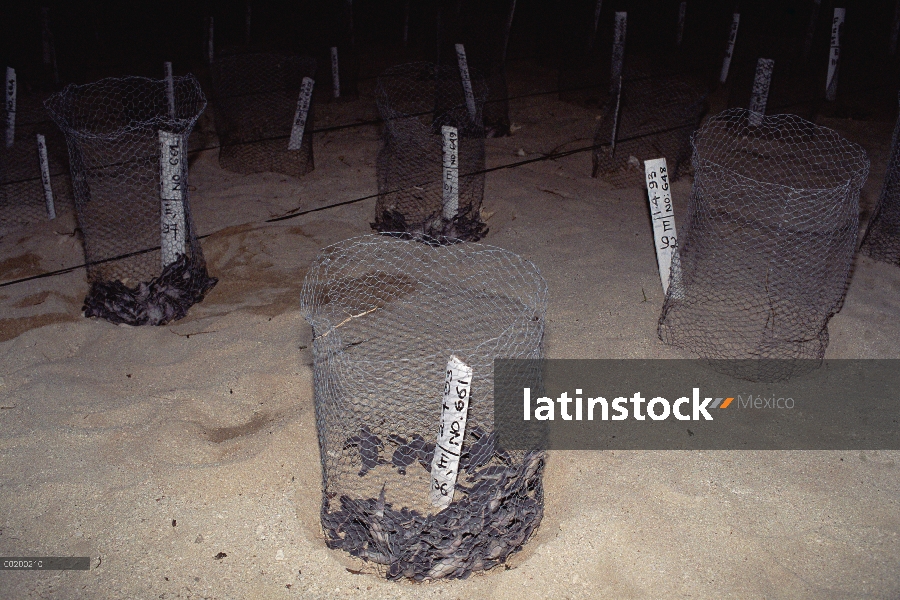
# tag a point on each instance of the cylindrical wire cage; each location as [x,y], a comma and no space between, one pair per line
[387,313]
[882,239]
[653,117]
[416,100]
[765,253]
[256,97]
[145,265]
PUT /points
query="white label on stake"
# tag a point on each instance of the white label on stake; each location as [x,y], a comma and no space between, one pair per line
[454,411]
[170,89]
[335,73]
[45,176]
[618,51]
[837,24]
[10,106]
[682,10]
[171,192]
[450,152]
[210,48]
[729,49]
[306,88]
[760,94]
[662,215]
[466,80]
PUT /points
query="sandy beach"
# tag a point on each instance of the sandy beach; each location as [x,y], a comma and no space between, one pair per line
[183,459]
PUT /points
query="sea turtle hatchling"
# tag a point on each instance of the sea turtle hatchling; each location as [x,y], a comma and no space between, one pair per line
[369,445]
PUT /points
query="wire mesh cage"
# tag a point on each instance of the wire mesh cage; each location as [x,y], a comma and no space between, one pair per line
[882,238]
[651,117]
[24,196]
[127,139]
[765,255]
[387,313]
[417,101]
[256,104]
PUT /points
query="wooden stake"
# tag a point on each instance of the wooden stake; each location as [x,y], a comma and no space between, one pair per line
[618,51]
[450,160]
[729,49]
[760,95]
[466,81]
[837,26]
[10,106]
[45,176]
[303,102]
[170,89]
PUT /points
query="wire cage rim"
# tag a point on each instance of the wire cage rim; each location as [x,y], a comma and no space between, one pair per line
[851,147]
[541,290]
[177,125]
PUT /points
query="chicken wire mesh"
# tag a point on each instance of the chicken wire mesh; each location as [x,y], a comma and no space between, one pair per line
[22,195]
[387,312]
[765,255]
[415,101]
[650,118]
[256,97]
[127,139]
[882,239]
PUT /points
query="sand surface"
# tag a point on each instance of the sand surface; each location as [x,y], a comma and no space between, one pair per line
[152,450]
